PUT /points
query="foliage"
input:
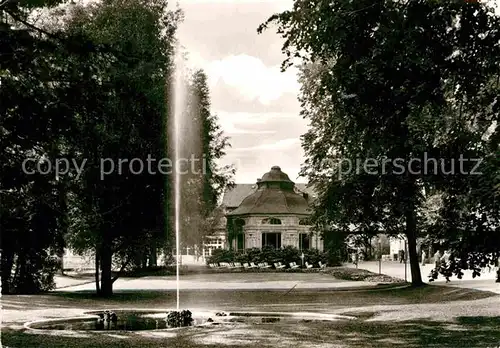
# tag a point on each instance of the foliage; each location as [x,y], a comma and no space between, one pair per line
[387,82]
[122,208]
[467,221]
[355,274]
[221,255]
[179,318]
[93,84]
[314,256]
[203,183]
[335,246]
[290,254]
[35,126]
[33,277]
[90,89]
[285,255]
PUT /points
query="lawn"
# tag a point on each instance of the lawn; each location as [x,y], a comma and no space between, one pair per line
[466,332]
[428,316]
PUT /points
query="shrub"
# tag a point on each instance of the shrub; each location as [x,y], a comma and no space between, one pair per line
[314,256]
[253,254]
[179,318]
[289,254]
[221,255]
[333,257]
[241,258]
[270,255]
[37,277]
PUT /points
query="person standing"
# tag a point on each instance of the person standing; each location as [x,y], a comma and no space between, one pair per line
[354,258]
[424,255]
[401,256]
[437,259]
[446,257]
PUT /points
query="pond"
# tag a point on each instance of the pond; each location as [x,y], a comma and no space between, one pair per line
[147,320]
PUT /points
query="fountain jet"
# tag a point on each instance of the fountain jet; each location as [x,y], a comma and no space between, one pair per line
[180,106]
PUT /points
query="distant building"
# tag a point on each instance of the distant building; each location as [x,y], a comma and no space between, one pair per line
[272,212]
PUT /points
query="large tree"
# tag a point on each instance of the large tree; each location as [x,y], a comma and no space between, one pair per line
[386,83]
[122,195]
[204,182]
[39,78]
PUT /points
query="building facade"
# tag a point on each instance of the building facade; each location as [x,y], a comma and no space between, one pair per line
[272,212]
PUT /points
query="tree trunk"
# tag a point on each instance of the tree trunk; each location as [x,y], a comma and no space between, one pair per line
[153,262]
[7,264]
[97,269]
[106,276]
[21,276]
[61,262]
[411,235]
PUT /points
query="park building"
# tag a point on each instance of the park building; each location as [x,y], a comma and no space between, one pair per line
[274,212]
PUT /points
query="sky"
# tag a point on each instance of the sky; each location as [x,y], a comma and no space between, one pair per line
[256,103]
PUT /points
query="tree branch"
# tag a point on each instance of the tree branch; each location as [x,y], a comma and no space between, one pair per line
[96,48]
[117,206]
[6,2]
[125,264]
[31,26]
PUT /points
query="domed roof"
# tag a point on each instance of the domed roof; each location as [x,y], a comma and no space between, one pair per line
[275,195]
[275,175]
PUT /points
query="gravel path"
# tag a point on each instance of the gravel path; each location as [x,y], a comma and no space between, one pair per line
[449,311]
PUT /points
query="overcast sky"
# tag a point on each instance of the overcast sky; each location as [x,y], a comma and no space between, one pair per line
[256,103]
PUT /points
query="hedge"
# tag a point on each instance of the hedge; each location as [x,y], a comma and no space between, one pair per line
[270,255]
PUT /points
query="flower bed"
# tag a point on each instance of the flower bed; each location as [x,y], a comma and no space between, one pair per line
[356,274]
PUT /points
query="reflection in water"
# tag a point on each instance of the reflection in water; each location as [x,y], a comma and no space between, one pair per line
[138,321]
[128,322]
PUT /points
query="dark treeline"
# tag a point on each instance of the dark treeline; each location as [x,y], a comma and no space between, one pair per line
[87,83]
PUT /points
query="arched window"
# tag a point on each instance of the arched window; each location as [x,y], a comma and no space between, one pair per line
[271,221]
[238,225]
[304,222]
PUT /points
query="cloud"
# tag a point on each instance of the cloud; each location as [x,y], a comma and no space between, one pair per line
[217,29]
[227,98]
[244,83]
[254,118]
[286,4]
[278,145]
[252,78]
[279,125]
[270,127]
[252,162]
[256,103]
[230,129]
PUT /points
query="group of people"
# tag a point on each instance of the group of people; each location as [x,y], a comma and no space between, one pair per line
[438,257]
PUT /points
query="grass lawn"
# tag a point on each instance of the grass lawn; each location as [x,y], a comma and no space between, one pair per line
[460,330]
[282,300]
[466,332]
